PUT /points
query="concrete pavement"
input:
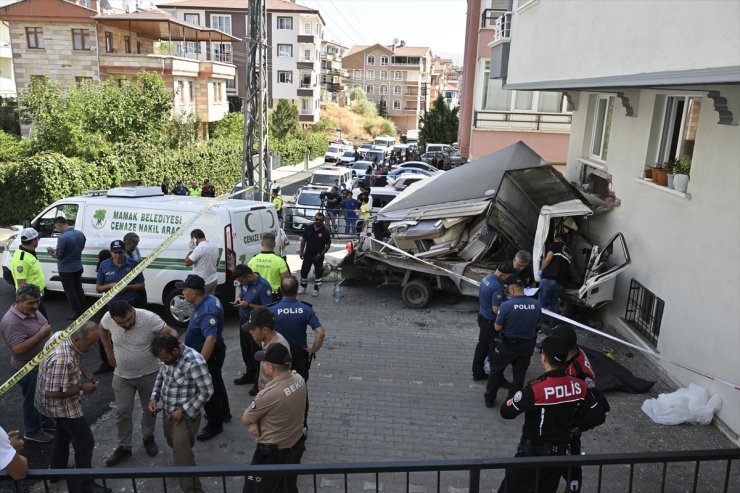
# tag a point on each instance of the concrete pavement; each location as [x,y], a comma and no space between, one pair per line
[393,383]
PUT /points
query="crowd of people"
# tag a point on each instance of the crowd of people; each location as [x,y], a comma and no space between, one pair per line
[207,190]
[177,375]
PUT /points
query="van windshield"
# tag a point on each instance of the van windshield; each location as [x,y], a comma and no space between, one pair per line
[309,199]
[383,142]
[334,149]
[328,180]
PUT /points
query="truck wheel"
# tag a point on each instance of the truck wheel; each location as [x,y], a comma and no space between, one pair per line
[416,293]
[176,310]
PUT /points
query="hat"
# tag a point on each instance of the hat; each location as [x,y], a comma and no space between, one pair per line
[565,332]
[192,282]
[29,234]
[117,246]
[275,353]
[555,348]
[507,268]
[260,317]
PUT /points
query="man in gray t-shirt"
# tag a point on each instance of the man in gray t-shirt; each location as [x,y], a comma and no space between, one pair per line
[127,333]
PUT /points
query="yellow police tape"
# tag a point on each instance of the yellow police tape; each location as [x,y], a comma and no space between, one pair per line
[547,312]
[120,285]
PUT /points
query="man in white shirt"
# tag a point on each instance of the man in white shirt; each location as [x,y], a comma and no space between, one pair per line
[11,459]
[203,257]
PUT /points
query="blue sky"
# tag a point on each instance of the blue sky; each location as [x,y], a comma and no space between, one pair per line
[439,24]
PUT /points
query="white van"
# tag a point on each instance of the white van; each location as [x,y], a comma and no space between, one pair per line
[235,226]
[325,178]
[384,143]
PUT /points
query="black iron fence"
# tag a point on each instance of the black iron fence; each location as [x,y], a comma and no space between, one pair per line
[695,471]
[644,311]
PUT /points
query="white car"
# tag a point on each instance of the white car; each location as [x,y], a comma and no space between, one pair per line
[333,153]
[347,158]
[360,168]
[299,211]
[418,165]
[406,179]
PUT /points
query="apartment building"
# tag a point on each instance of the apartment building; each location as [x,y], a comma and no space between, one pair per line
[72,42]
[333,76]
[397,77]
[491,115]
[294,38]
[655,95]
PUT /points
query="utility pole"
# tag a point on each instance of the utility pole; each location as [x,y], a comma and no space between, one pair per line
[255,102]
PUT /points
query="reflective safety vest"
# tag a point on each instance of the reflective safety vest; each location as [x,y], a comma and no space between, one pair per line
[26,266]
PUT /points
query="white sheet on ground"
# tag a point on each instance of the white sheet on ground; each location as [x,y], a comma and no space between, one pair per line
[686,405]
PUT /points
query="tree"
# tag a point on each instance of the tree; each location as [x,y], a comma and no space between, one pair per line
[383,108]
[439,124]
[357,94]
[284,119]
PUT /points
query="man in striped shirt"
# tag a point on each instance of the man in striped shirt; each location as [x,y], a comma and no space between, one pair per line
[183,386]
[58,392]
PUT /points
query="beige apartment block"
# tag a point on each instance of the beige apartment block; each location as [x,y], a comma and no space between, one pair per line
[395,76]
[69,42]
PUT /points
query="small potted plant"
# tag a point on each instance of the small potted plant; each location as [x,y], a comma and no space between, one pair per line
[670,169]
[648,173]
[682,170]
[660,177]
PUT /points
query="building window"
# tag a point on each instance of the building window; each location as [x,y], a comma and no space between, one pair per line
[371,60]
[138,47]
[127,43]
[285,23]
[307,28]
[217,92]
[306,82]
[222,52]
[383,75]
[35,38]
[193,19]
[307,56]
[81,39]
[550,102]
[644,311]
[306,106]
[285,50]
[494,97]
[221,22]
[680,122]
[370,90]
[370,74]
[398,75]
[383,90]
[181,91]
[285,77]
[357,74]
[384,60]
[108,42]
[231,83]
[396,90]
[601,124]
[396,104]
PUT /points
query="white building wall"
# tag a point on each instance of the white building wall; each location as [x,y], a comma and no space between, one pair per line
[551,40]
[284,36]
[683,249]
[7,79]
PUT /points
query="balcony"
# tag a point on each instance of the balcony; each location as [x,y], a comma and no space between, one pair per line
[112,63]
[306,90]
[500,47]
[528,121]
[502,25]
[307,38]
[304,62]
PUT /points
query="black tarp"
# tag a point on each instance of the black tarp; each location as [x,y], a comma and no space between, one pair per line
[610,375]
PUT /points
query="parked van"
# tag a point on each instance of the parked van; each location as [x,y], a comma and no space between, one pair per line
[235,226]
[325,178]
[384,143]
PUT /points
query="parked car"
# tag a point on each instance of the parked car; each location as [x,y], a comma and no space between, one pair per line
[360,167]
[333,153]
[440,157]
[439,147]
[375,153]
[367,146]
[384,143]
[380,197]
[402,182]
[418,165]
[300,210]
[347,158]
[418,171]
[325,178]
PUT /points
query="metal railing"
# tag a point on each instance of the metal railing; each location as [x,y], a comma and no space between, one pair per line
[644,311]
[498,119]
[503,27]
[701,470]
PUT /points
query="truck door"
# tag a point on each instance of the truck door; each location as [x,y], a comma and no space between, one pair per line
[604,266]
[247,226]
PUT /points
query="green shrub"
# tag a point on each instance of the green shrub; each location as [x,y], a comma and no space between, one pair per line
[229,127]
[11,147]
[387,127]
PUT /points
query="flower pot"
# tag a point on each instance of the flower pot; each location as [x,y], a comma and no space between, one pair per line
[670,180]
[660,177]
[649,174]
[681,183]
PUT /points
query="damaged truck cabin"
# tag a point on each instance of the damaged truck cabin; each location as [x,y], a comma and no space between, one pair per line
[460,225]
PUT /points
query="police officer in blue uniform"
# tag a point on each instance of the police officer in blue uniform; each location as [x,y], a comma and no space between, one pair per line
[205,335]
[518,320]
[292,316]
[554,405]
[254,291]
[491,294]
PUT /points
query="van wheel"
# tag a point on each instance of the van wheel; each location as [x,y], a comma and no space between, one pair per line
[176,310]
[416,293]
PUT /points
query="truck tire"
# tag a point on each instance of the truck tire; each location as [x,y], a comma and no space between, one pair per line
[176,310]
[416,293]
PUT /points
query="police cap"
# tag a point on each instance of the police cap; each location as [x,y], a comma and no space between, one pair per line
[192,282]
[276,354]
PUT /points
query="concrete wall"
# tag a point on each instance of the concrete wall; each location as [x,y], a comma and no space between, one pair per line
[552,147]
[684,249]
[57,48]
[551,40]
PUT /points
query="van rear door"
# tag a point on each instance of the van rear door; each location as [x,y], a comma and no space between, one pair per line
[246,228]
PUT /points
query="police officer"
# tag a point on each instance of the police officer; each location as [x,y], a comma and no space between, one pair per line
[291,318]
[205,335]
[577,365]
[491,294]
[315,242]
[270,265]
[254,291]
[517,320]
[275,420]
[26,267]
[553,404]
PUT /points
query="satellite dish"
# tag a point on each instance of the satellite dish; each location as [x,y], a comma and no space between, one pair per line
[403,43]
[395,41]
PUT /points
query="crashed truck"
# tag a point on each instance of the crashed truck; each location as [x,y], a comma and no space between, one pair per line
[463,223]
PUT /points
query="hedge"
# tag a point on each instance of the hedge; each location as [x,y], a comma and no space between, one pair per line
[35,182]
